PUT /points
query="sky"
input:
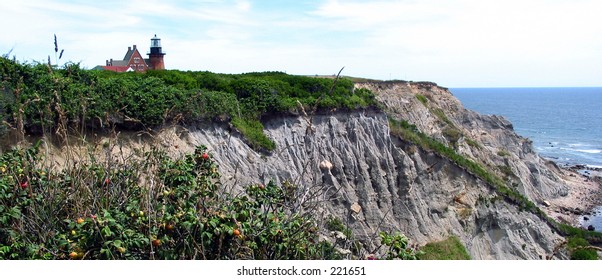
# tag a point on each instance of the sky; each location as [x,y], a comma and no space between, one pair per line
[454,43]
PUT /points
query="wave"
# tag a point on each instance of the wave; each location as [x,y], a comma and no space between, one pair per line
[590,151]
[587,151]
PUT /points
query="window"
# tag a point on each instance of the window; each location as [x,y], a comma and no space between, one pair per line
[140,67]
[136,59]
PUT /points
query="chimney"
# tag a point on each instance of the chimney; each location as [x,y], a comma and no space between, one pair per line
[108,63]
[111,62]
[130,48]
[134,47]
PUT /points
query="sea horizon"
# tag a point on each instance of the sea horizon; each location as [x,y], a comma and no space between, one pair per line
[563,122]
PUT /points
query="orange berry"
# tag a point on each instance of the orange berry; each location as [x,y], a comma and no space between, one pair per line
[80,220]
[73,255]
[156,242]
[236,232]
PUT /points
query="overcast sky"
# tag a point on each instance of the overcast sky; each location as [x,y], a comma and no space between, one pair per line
[455,43]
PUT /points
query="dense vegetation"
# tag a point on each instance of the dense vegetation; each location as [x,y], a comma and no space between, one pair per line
[153,207]
[150,206]
[37,98]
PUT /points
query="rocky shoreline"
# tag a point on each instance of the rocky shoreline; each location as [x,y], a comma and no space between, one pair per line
[583,197]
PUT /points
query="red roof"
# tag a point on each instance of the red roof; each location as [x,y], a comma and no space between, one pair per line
[116,68]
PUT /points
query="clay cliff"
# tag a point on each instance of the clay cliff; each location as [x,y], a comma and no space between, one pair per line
[355,169]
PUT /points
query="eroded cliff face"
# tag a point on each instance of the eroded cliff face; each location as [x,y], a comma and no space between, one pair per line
[351,166]
[375,182]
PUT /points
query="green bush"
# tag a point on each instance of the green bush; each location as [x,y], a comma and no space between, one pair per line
[398,247]
[152,208]
[252,130]
[43,99]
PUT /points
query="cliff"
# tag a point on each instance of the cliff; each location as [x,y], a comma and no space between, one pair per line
[355,169]
[352,166]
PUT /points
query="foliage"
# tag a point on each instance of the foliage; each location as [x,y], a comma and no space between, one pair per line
[151,208]
[410,133]
[398,247]
[448,249]
[335,224]
[253,132]
[422,99]
[472,143]
[441,116]
[584,254]
[579,251]
[37,98]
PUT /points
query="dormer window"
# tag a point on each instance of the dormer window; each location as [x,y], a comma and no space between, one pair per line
[136,59]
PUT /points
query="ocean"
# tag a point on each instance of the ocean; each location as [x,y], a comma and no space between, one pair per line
[565,124]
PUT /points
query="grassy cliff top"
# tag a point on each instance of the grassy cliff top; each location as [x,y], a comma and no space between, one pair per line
[36,98]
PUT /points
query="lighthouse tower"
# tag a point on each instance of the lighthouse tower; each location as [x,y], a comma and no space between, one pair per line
[156,54]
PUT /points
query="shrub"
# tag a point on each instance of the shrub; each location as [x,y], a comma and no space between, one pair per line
[42,99]
[473,143]
[152,208]
[398,247]
[252,130]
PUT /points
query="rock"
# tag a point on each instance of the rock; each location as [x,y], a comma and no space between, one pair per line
[356,208]
[585,218]
[326,165]
[546,203]
[416,203]
[343,251]
[338,235]
[591,228]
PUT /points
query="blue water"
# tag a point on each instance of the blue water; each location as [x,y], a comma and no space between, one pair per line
[565,124]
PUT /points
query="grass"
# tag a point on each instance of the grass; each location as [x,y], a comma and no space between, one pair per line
[441,115]
[422,99]
[448,249]
[252,130]
[473,143]
[579,251]
[410,133]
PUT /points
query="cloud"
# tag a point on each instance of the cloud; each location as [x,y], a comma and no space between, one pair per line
[455,42]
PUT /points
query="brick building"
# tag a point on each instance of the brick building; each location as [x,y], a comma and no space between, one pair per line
[133,60]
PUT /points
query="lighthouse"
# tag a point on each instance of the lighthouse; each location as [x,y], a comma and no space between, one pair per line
[156,54]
